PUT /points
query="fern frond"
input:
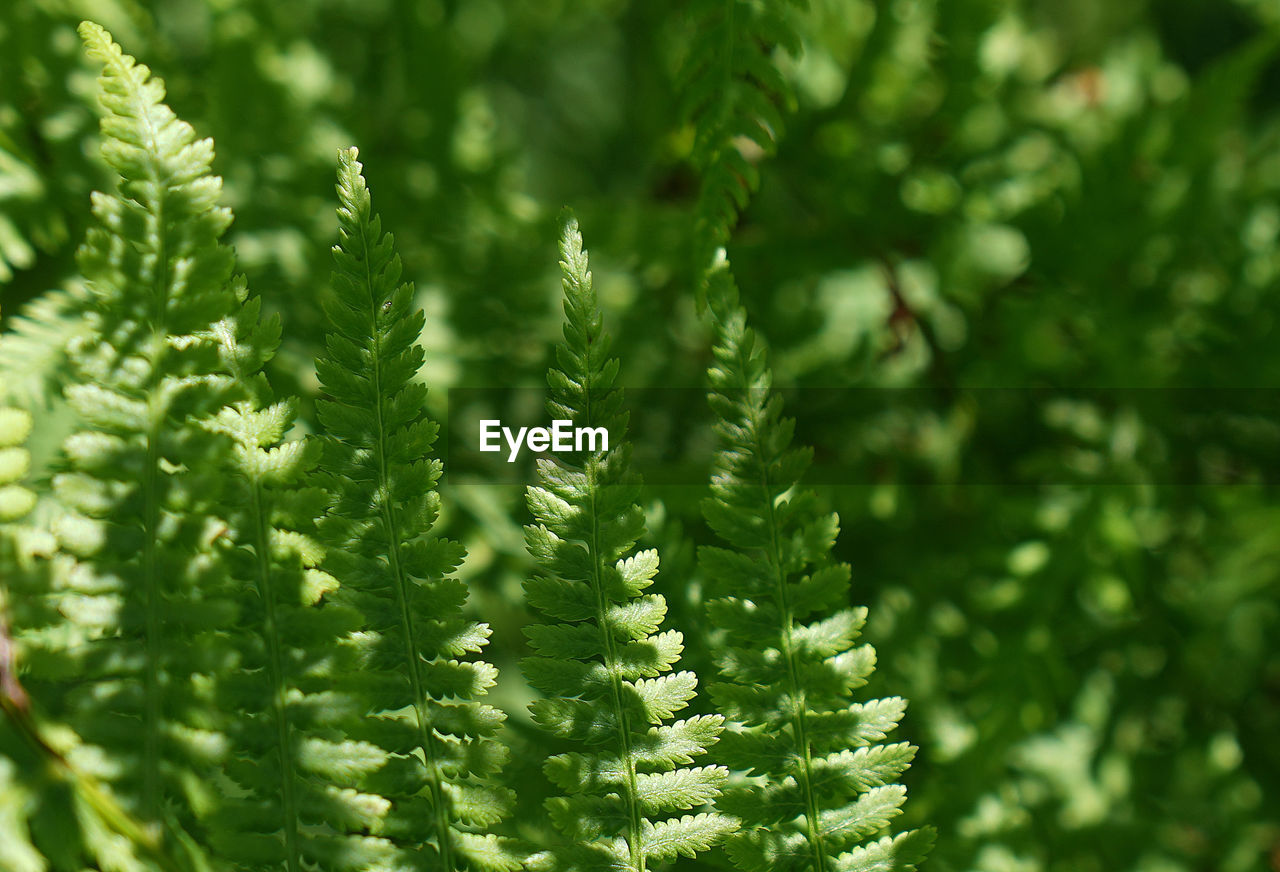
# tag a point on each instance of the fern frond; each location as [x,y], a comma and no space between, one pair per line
[604,667]
[419,672]
[144,484]
[786,650]
[33,348]
[299,805]
[51,814]
[731,92]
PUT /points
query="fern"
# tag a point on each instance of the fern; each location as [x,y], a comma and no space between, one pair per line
[17,800]
[262,650]
[298,771]
[15,499]
[605,668]
[820,783]
[192,522]
[33,353]
[426,713]
[50,812]
[144,484]
[731,91]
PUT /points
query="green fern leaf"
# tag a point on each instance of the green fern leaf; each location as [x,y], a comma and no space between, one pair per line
[427,714]
[143,485]
[605,668]
[15,500]
[52,815]
[786,653]
[731,90]
[299,806]
[33,348]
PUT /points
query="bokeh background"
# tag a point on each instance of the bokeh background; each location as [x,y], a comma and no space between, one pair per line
[1081,601]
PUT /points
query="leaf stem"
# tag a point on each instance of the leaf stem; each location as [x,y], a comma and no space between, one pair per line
[426,735]
[279,706]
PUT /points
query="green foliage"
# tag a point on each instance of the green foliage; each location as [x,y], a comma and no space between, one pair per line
[15,500]
[185,516]
[33,352]
[54,816]
[35,221]
[299,806]
[731,89]
[820,783]
[297,770]
[143,485]
[418,669]
[604,667]
[1075,587]
[48,808]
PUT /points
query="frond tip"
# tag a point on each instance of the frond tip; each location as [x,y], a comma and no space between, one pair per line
[818,784]
[631,799]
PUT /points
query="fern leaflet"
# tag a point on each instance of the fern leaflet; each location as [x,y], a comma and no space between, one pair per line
[819,782]
[603,665]
[426,709]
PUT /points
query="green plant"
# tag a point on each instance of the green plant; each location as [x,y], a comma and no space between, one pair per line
[145,476]
[427,714]
[184,498]
[48,806]
[605,668]
[259,645]
[980,212]
[819,783]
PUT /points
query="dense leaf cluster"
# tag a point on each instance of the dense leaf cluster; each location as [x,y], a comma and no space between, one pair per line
[281,672]
[1007,257]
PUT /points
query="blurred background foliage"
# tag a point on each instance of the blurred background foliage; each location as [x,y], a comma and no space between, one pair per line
[1057,194]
